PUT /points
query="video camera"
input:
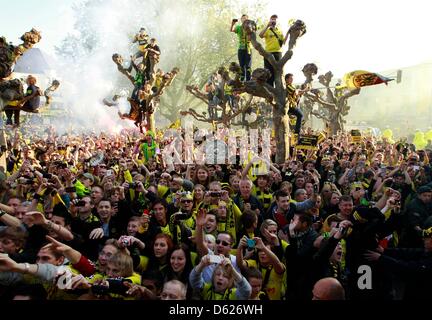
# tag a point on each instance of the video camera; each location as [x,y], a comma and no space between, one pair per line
[115,286]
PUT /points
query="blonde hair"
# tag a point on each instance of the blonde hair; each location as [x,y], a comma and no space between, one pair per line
[227,271]
[267,223]
[124,262]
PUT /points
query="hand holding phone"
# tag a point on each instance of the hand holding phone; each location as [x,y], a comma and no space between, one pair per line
[215,259]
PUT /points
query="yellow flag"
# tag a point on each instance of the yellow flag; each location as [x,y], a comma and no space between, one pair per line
[361,78]
[176,124]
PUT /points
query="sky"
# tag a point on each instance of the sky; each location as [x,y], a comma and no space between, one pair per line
[342,35]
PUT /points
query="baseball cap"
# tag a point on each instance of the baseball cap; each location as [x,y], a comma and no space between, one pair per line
[427,233]
[89,176]
[424,189]
[186,196]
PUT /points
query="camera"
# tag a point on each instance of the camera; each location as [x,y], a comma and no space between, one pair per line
[343,230]
[215,194]
[132,185]
[273,24]
[100,290]
[126,241]
[115,286]
[235,20]
[388,183]
[181,216]
[251,244]
[24,180]
[47,175]
[80,203]
[62,165]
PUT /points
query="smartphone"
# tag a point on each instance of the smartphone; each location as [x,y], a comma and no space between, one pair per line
[215,259]
[109,173]
[416,168]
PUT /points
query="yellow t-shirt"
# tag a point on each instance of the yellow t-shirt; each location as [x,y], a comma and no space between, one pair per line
[271,41]
[208,293]
[275,284]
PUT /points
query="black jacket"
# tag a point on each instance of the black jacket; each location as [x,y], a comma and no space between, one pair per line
[414,266]
[299,256]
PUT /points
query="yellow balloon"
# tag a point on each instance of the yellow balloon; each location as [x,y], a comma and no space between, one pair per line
[428,135]
[419,140]
[388,134]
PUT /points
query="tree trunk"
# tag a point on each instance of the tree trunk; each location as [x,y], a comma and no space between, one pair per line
[335,123]
[282,130]
[281,122]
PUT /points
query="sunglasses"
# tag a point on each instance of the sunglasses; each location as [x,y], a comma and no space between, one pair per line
[224,243]
[186,201]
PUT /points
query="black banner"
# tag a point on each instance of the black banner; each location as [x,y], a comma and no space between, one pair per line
[308,142]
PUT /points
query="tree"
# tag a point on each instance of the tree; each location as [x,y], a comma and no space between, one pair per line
[202,53]
[192,34]
[9,55]
[228,114]
[276,95]
[258,87]
[143,111]
[334,106]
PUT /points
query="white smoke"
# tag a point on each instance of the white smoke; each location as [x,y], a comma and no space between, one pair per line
[102,29]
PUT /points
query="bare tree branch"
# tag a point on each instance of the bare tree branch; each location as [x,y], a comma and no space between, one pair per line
[349,94]
[196,115]
[197,93]
[287,56]
[320,116]
[118,60]
[316,98]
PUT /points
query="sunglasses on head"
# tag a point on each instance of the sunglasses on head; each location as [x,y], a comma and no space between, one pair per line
[223,242]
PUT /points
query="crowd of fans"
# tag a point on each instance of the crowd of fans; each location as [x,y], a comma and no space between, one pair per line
[121,217]
[105,217]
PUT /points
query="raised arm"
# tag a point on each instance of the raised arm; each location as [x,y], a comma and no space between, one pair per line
[263,31]
[239,255]
[243,287]
[8,219]
[278,266]
[39,219]
[232,29]
[199,234]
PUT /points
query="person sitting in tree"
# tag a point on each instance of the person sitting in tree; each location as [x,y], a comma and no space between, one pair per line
[142,39]
[293,98]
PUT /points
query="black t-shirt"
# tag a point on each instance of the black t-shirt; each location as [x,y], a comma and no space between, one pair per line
[156,48]
[34,102]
